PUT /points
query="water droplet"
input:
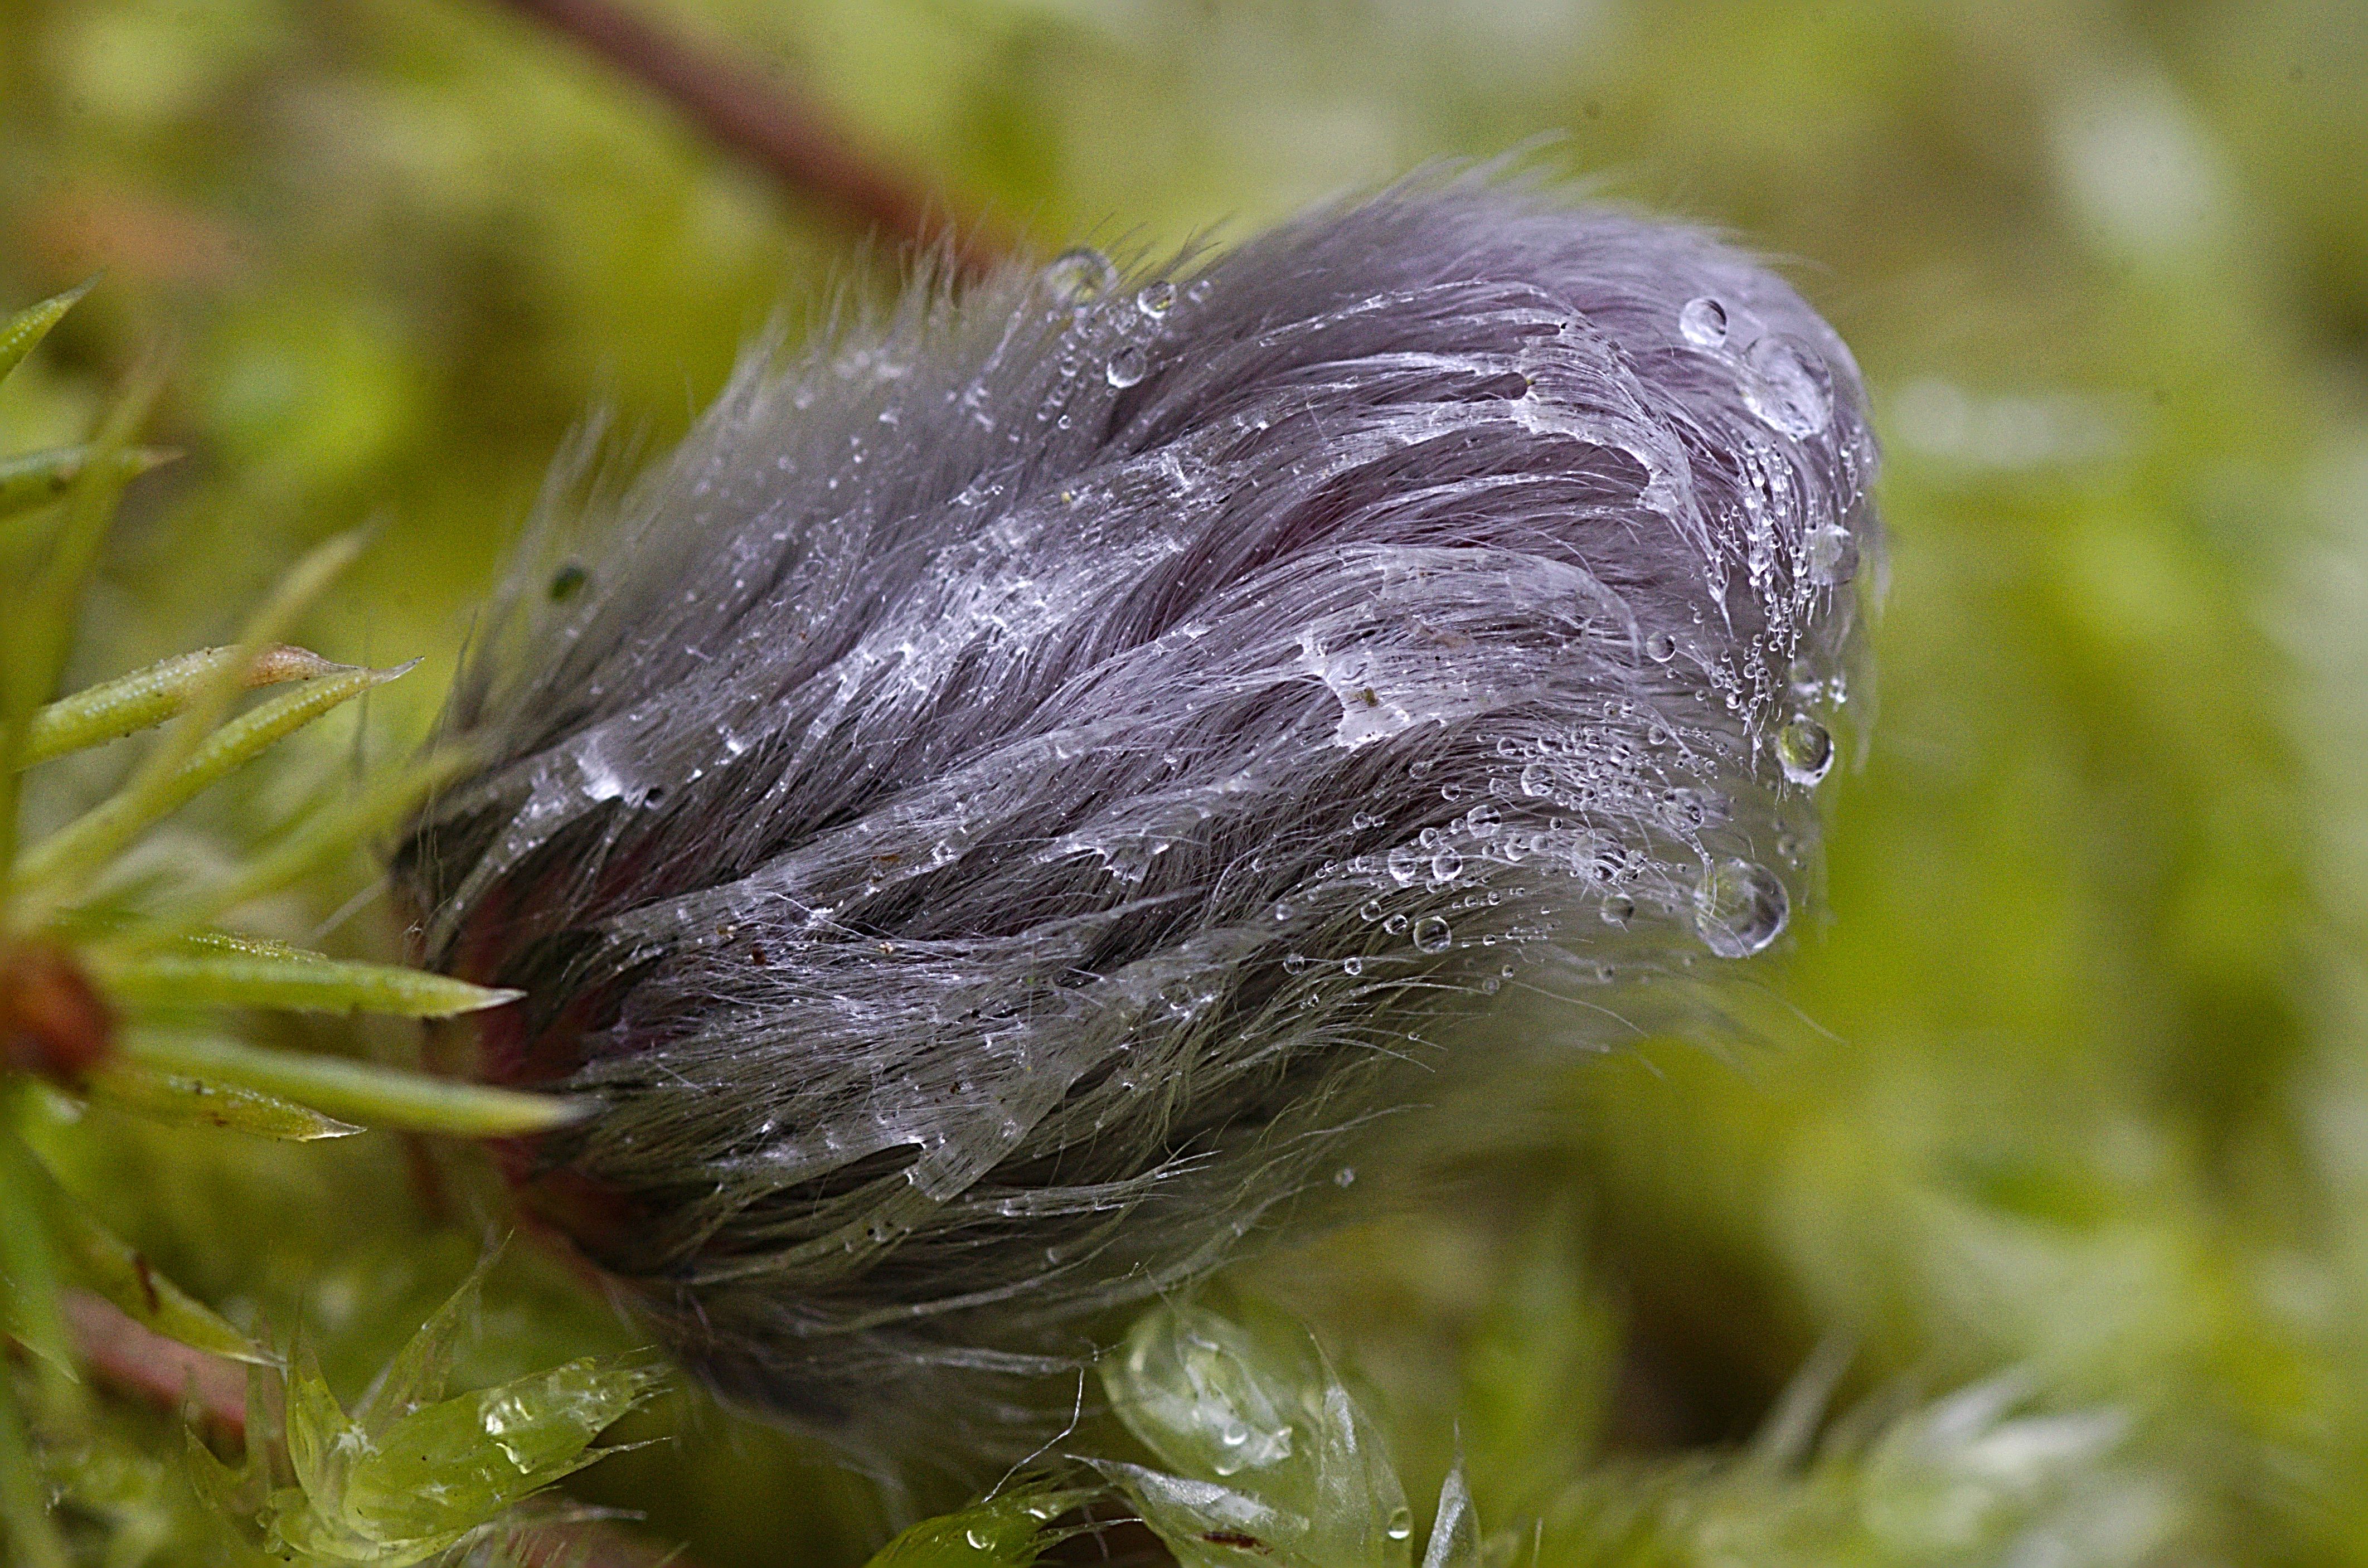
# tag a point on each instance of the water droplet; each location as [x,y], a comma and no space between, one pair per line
[1353,966]
[1156,300]
[1684,810]
[1740,908]
[979,1540]
[1787,385]
[1806,751]
[1833,555]
[1282,912]
[1294,963]
[1345,1177]
[1125,368]
[1404,864]
[1483,821]
[1537,779]
[1447,865]
[1703,322]
[1660,647]
[1401,1523]
[1370,910]
[1395,923]
[1432,935]
[1619,909]
[1079,277]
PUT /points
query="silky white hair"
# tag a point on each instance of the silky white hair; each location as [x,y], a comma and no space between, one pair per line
[1021,780]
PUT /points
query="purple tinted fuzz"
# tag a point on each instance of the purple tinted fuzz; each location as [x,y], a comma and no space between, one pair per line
[1021,781]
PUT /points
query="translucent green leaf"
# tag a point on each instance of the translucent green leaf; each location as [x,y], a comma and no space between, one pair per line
[240,973]
[35,479]
[1008,1530]
[29,1260]
[417,1375]
[452,1465]
[1246,1408]
[128,703]
[60,864]
[1216,1396]
[157,777]
[35,630]
[180,1101]
[357,1091]
[102,1261]
[1455,1527]
[230,1492]
[239,1495]
[411,1474]
[322,1441]
[25,330]
[1207,1524]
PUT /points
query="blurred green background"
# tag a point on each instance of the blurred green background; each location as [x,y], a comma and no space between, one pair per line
[2073,1074]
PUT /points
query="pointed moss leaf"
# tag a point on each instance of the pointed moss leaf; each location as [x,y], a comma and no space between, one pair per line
[35,479]
[357,1091]
[1455,1529]
[1246,1399]
[322,1441]
[241,1497]
[1008,1530]
[179,1100]
[226,1491]
[408,1474]
[130,703]
[1361,1515]
[28,1259]
[1208,1525]
[23,330]
[420,1370]
[38,625]
[105,1263]
[54,869]
[260,975]
[455,1464]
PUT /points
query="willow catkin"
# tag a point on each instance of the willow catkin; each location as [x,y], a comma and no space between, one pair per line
[1018,783]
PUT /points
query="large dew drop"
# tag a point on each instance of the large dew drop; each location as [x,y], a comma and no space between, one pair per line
[1805,751]
[1126,366]
[1787,385]
[1703,321]
[1740,908]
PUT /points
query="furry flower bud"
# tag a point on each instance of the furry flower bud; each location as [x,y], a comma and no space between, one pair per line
[1016,781]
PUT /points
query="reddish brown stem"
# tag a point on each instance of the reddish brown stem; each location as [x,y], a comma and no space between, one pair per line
[134,1360]
[776,129]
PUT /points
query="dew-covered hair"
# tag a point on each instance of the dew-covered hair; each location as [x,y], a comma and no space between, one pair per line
[1021,782]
